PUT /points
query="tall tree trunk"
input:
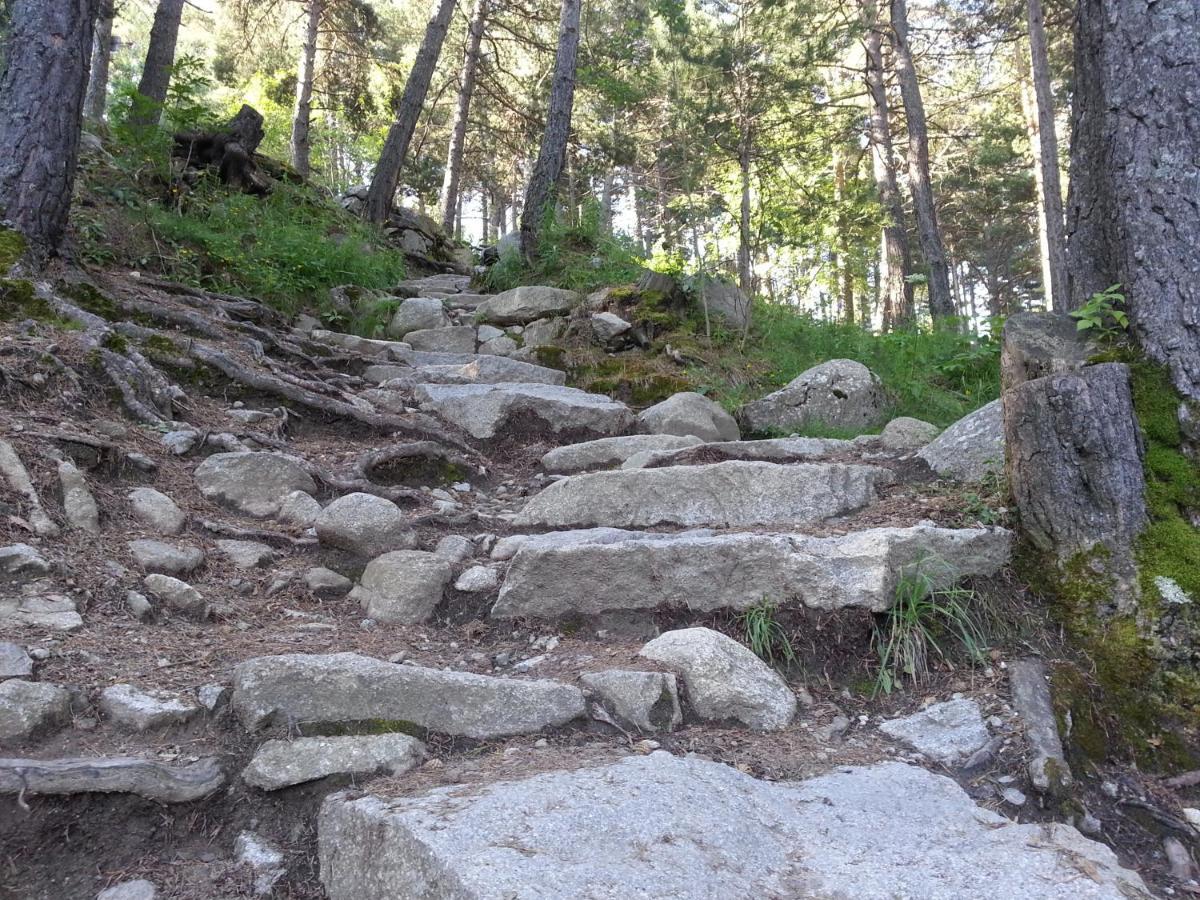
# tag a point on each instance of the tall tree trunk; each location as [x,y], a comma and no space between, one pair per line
[386,179]
[845,276]
[1044,143]
[458,129]
[301,119]
[1135,185]
[606,202]
[895,258]
[160,57]
[41,114]
[551,155]
[941,304]
[745,275]
[97,89]
[498,215]
[485,219]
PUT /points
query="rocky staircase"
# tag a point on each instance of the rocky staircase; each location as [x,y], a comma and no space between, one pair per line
[508,631]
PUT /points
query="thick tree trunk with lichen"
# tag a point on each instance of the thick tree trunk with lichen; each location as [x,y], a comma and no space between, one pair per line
[1134,205]
[41,113]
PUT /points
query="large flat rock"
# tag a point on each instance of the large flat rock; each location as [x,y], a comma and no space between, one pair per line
[704,572]
[971,448]
[605,453]
[523,305]
[728,494]
[796,449]
[345,687]
[840,393]
[486,410]
[689,829]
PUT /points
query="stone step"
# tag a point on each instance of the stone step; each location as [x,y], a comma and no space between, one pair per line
[727,494]
[606,453]
[783,450]
[705,572]
[692,829]
[346,687]
[466,368]
[487,410]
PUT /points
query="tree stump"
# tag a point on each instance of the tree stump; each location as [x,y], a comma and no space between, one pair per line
[231,150]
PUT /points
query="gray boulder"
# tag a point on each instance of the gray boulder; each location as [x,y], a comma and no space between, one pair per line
[31,708]
[14,661]
[450,339]
[403,587]
[487,369]
[56,612]
[502,346]
[79,506]
[905,433]
[705,572]
[178,595]
[247,554]
[252,483]
[604,453]
[728,494]
[522,305]
[726,301]
[346,687]
[326,584]
[646,701]
[299,509]
[946,732]
[689,413]
[971,448]
[364,525]
[164,558]
[724,680]
[689,829]
[840,393]
[156,511]
[477,580]
[792,449]
[486,410]
[543,333]
[607,327]
[141,710]
[20,563]
[417,314]
[139,889]
[280,764]
[507,547]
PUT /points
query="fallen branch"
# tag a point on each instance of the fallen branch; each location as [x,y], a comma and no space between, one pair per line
[255,534]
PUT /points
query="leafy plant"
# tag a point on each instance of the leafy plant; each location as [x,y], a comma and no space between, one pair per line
[1102,314]
[766,637]
[922,619]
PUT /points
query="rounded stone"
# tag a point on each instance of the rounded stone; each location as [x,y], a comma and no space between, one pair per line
[364,525]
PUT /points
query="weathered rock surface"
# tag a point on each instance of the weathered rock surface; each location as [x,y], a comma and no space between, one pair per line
[14,661]
[141,710]
[607,327]
[946,732]
[252,483]
[477,579]
[139,889]
[971,448]
[840,393]
[346,687]
[21,563]
[1048,769]
[157,511]
[906,433]
[1039,344]
[56,612]
[690,829]
[17,475]
[166,559]
[724,680]
[486,410]
[793,449]
[120,775]
[647,701]
[178,595]
[416,314]
[364,525]
[703,572]
[327,584]
[450,339]
[522,305]
[79,506]
[486,368]
[722,494]
[280,764]
[247,554]
[31,708]
[299,509]
[689,413]
[726,301]
[507,547]
[605,453]
[402,587]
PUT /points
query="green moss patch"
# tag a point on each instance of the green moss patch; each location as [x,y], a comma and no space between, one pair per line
[12,248]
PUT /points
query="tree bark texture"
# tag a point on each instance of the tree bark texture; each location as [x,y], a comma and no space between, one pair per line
[1044,143]
[395,148]
[160,57]
[941,303]
[1074,457]
[41,112]
[302,116]
[458,129]
[539,196]
[1134,204]
[895,258]
[745,273]
[97,90]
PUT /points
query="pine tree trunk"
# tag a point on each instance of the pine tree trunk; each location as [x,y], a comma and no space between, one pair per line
[606,202]
[1044,143]
[551,155]
[395,148]
[302,117]
[97,91]
[941,304]
[41,113]
[458,129]
[1135,185]
[160,58]
[895,258]
[498,215]
[745,275]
